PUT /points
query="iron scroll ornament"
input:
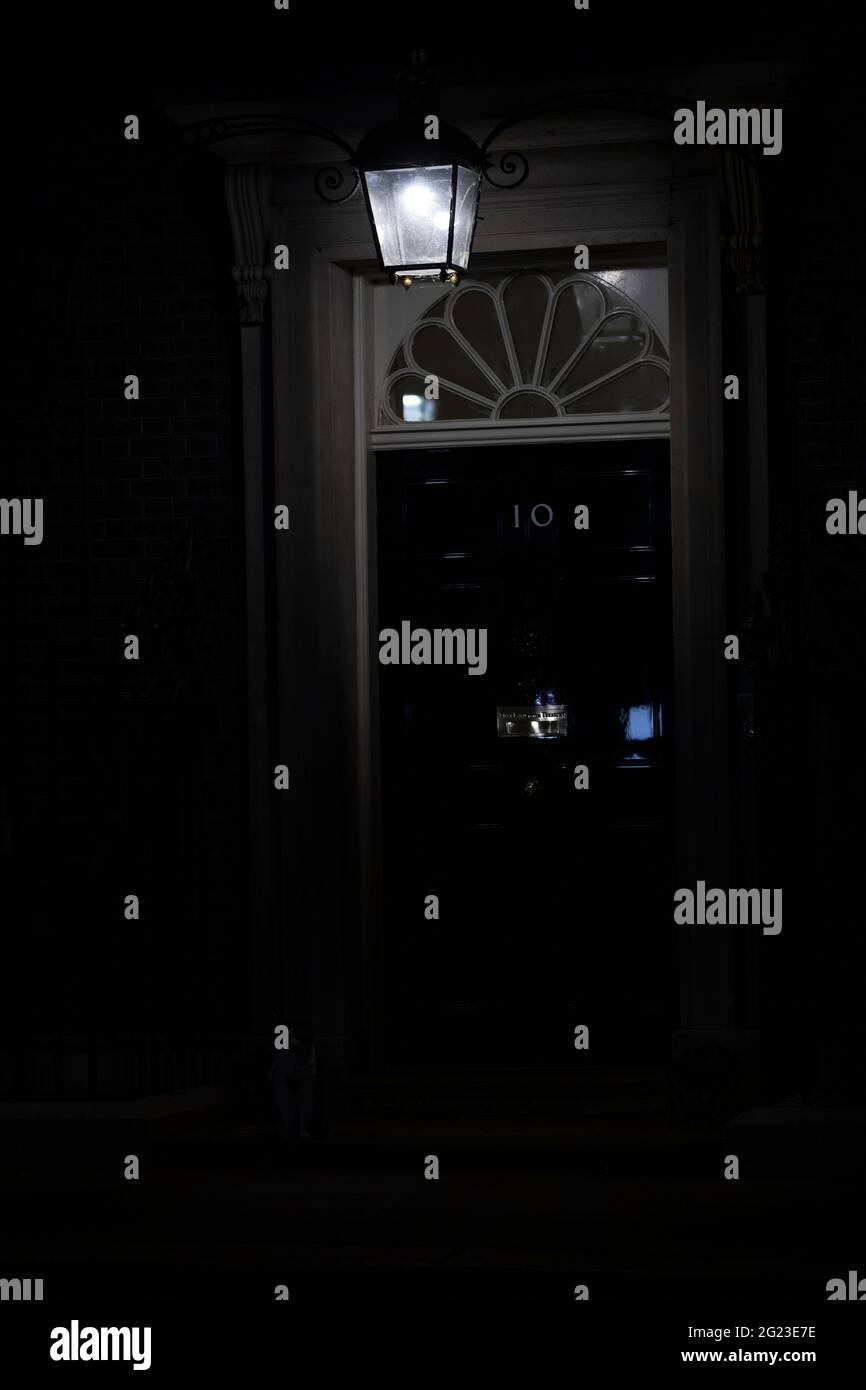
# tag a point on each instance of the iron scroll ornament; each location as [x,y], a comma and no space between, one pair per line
[330,182]
[506,169]
[513,165]
[337,183]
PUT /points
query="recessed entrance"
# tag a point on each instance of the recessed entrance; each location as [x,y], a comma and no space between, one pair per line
[552,896]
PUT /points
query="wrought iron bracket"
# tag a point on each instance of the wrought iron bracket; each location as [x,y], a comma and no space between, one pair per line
[329,181]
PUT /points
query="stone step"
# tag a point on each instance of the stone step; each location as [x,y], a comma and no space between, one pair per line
[581,1092]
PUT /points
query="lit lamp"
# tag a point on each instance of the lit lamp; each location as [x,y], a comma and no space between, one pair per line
[422,198]
[421,178]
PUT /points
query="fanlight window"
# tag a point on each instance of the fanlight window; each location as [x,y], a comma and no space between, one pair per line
[525,349]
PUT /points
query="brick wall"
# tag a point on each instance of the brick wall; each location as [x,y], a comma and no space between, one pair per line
[815,759]
[119,777]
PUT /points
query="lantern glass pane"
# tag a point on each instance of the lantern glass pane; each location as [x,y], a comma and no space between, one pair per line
[468,181]
[412,212]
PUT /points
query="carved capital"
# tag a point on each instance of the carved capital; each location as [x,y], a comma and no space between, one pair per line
[251,285]
[742,234]
[248,196]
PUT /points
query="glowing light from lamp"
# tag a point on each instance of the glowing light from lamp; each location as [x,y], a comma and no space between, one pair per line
[416,198]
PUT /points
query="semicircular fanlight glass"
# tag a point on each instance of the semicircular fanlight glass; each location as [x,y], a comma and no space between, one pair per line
[527,348]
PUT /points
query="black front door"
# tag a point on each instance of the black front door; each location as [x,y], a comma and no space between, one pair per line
[529,796]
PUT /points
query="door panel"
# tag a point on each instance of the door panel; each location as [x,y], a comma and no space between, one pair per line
[554,901]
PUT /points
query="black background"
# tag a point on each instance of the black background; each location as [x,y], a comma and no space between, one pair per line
[109,778]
